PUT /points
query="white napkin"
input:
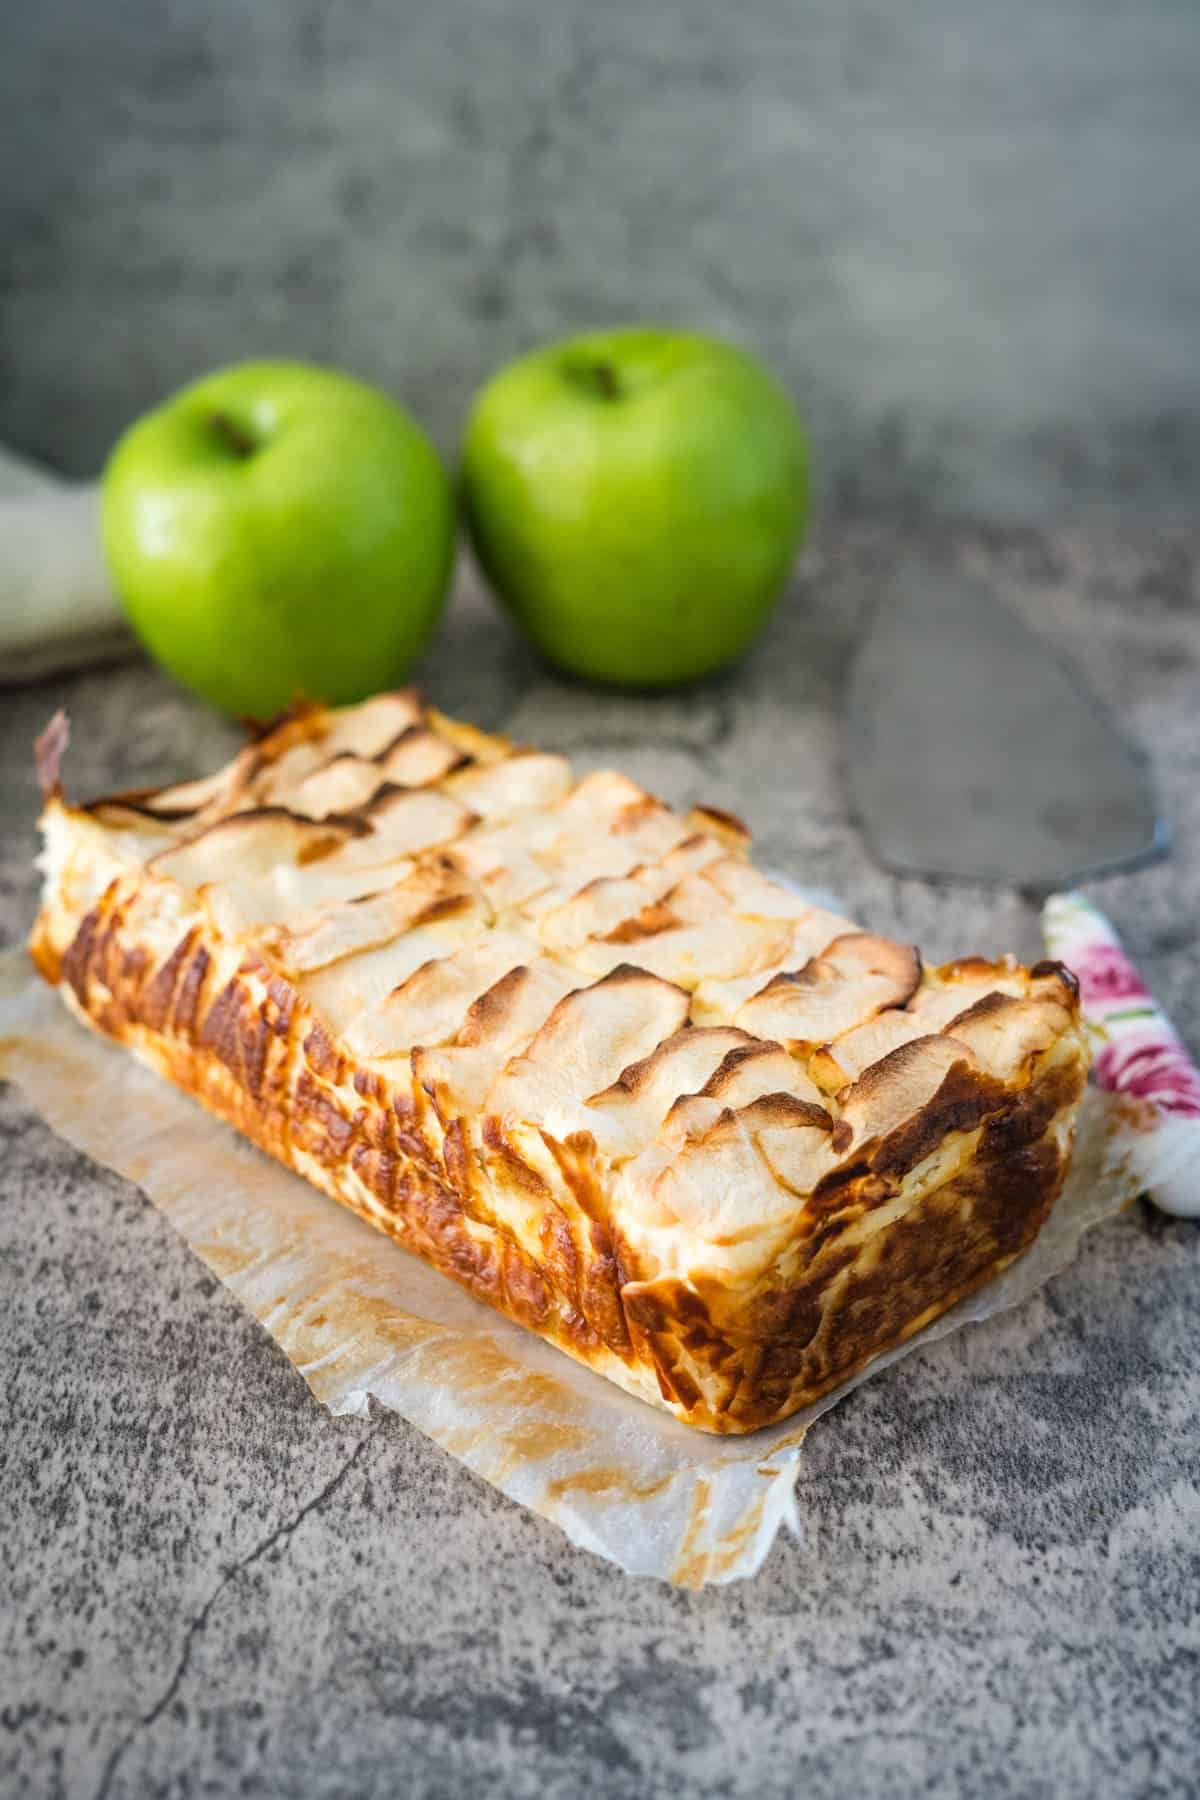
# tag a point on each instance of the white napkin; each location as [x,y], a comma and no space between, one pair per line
[57,607]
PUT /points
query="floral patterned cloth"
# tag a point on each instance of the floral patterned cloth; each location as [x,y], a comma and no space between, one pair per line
[1137,1049]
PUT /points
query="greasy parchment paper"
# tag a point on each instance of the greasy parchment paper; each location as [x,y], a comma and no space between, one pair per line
[361,1318]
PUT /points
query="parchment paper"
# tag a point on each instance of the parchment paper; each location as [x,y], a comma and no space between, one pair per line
[361,1318]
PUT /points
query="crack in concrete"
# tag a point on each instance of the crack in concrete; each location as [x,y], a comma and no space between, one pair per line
[199,1621]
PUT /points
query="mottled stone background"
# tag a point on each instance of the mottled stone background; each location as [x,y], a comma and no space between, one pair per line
[964,233]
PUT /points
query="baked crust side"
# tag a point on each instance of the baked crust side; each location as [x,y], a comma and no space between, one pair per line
[889,1241]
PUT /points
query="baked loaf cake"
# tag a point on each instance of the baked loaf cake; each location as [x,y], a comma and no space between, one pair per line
[572,1048]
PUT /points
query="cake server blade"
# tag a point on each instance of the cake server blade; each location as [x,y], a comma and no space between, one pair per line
[975,755]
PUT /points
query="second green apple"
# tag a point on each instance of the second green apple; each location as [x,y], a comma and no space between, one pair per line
[636,499]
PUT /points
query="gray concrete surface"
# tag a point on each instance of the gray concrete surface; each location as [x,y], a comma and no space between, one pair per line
[207,1587]
[963,233]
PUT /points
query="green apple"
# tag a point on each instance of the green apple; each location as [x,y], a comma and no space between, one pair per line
[278,530]
[636,499]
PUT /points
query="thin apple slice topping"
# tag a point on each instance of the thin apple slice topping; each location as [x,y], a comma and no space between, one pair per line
[598,908]
[596,803]
[937,1002]
[834,1065]
[249,844]
[758,1068]
[469,740]
[732,832]
[367,729]
[498,1024]
[854,978]
[198,802]
[430,1007]
[1007,1035]
[795,1139]
[719,1001]
[343,989]
[289,894]
[754,894]
[988,973]
[694,901]
[724,947]
[630,1112]
[608,805]
[650,830]
[403,823]
[893,1091]
[429,893]
[717,1186]
[691,854]
[502,861]
[815,933]
[588,1039]
[509,885]
[278,780]
[933,1009]
[689,1117]
[523,782]
[573,866]
[737,1173]
[418,758]
[341,786]
[133,834]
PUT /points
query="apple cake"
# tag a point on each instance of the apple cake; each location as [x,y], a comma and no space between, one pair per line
[571,1047]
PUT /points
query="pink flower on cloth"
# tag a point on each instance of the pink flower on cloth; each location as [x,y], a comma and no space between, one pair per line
[1157,1070]
[1106,973]
[1140,1053]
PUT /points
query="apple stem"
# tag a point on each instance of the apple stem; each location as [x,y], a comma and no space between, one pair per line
[232,434]
[605,377]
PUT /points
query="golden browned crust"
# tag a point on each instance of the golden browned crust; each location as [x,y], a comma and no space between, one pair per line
[721,1147]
